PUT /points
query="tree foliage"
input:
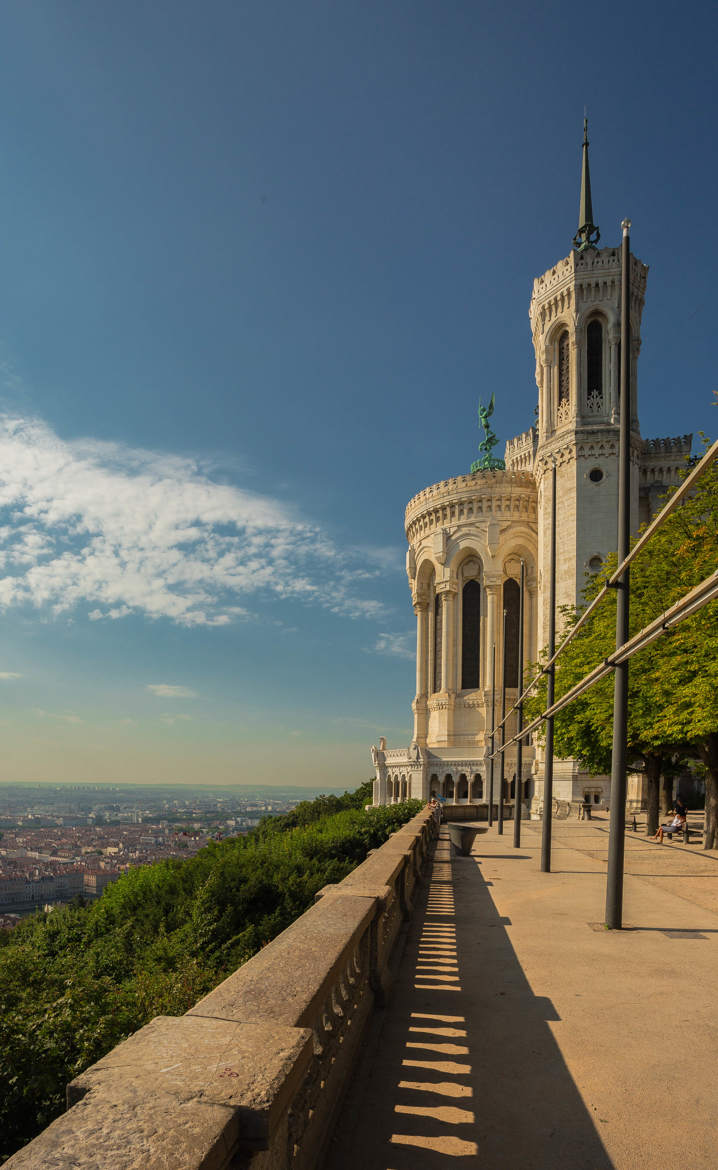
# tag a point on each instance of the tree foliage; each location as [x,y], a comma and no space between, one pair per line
[77,981]
[673,683]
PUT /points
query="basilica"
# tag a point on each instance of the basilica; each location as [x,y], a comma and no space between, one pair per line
[467,537]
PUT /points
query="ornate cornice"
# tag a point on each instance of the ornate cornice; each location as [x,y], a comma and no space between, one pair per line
[496,495]
[580,278]
[584,443]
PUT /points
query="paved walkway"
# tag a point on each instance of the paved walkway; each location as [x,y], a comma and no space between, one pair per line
[523,1035]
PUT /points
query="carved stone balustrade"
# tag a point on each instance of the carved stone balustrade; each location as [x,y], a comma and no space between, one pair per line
[251,1077]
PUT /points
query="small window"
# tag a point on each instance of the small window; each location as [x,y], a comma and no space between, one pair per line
[595,475]
[595,564]
[564,368]
[594,362]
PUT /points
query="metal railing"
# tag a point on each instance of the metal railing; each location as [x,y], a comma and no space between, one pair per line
[696,598]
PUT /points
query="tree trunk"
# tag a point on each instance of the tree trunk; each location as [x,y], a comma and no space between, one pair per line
[709,755]
[667,794]
[654,764]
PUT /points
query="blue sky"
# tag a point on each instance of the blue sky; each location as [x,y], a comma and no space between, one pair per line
[259,262]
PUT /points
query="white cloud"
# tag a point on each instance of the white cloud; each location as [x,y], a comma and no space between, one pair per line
[171,719]
[6,674]
[168,691]
[125,531]
[396,645]
[390,559]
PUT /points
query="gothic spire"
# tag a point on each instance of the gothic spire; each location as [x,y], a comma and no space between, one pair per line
[588,234]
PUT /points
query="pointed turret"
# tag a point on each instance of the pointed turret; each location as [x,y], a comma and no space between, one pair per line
[588,234]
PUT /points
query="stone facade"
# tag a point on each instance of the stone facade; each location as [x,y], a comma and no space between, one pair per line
[468,536]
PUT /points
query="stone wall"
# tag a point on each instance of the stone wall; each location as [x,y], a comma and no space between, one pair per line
[251,1077]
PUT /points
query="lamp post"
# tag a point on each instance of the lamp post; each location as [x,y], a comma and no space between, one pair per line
[550,680]
[617,827]
[493,720]
[500,826]
[519,718]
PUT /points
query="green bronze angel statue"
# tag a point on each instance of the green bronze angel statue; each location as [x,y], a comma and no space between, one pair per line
[487,462]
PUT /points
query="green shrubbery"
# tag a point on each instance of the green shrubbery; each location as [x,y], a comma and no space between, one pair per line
[75,982]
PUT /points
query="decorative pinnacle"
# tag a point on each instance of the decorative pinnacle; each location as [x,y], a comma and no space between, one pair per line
[588,234]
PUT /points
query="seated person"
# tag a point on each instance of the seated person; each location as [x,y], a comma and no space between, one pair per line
[677,825]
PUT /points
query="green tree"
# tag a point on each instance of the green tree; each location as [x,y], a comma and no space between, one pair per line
[673,683]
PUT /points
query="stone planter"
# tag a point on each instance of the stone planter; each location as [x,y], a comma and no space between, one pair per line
[462,837]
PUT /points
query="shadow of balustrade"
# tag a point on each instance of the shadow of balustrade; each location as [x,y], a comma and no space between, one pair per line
[462,1068]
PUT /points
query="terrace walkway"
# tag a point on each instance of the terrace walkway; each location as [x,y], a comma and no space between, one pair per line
[522,1034]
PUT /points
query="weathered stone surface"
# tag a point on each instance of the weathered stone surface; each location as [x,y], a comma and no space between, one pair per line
[182,1092]
[291,978]
[253,1066]
[134,1131]
[382,868]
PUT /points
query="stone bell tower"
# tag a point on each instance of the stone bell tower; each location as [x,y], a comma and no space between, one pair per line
[575,325]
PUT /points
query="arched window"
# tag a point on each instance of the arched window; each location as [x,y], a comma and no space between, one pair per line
[437,642]
[477,787]
[462,789]
[564,369]
[594,364]
[470,623]
[449,786]
[512,602]
[434,786]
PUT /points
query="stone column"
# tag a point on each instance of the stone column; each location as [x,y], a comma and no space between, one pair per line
[493,628]
[448,642]
[421,609]
[381,780]
[575,377]
[543,404]
[547,389]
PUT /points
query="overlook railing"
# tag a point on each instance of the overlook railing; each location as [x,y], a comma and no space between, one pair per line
[251,1077]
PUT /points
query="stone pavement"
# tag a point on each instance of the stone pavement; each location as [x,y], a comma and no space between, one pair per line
[523,1035]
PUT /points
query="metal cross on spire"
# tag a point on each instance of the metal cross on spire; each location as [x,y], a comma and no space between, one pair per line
[588,234]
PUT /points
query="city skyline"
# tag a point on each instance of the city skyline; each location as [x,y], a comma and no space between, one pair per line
[243,259]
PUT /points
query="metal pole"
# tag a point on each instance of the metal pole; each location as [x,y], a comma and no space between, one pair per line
[550,680]
[500,827]
[519,720]
[493,725]
[614,884]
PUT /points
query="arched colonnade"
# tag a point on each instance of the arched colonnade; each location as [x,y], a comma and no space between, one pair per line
[459,788]
[398,788]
